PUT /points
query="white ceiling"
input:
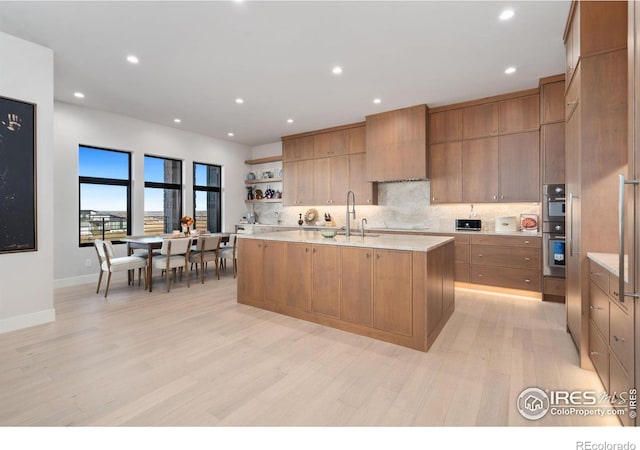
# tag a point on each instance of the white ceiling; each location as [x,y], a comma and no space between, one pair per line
[197,57]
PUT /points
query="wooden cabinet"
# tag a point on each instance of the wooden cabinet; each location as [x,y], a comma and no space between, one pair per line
[480,121]
[446,172]
[506,261]
[357,291]
[298,269]
[392,294]
[325,292]
[333,143]
[519,167]
[480,170]
[520,114]
[445,126]
[298,183]
[397,145]
[552,102]
[296,149]
[357,140]
[366,193]
[250,266]
[331,180]
[552,149]
[274,259]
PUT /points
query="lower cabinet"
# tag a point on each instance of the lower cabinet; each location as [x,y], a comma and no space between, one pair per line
[357,285]
[325,292]
[298,268]
[250,264]
[275,258]
[392,296]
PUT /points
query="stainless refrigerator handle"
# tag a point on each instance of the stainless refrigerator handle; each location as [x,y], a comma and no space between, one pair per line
[572,196]
[621,215]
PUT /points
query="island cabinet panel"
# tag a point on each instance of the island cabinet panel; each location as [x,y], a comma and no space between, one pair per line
[480,121]
[298,270]
[445,126]
[520,114]
[435,307]
[250,267]
[519,164]
[392,292]
[325,292]
[357,285]
[480,170]
[274,259]
[446,172]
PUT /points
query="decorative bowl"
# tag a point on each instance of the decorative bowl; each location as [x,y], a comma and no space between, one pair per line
[251,176]
[328,232]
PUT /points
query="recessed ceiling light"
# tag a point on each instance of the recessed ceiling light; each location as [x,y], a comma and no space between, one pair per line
[289,120]
[78,94]
[337,70]
[239,101]
[510,70]
[506,14]
[133,59]
[377,101]
[230,134]
[176,120]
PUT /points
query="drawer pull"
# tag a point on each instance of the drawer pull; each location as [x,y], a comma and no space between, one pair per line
[615,293]
[594,353]
[597,274]
[527,259]
[527,280]
[618,339]
[596,308]
[527,242]
[480,275]
[570,103]
[368,255]
[480,255]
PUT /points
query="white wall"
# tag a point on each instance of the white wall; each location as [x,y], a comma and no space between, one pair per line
[26,279]
[75,125]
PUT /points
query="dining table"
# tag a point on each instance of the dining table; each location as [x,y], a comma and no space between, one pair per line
[151,243]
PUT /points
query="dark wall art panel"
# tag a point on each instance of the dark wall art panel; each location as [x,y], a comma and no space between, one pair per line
[18,221]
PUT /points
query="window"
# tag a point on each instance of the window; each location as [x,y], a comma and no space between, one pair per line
[206,197]
[162,195]
[105,194]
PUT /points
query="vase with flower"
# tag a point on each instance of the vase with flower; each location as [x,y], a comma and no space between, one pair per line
[186,222]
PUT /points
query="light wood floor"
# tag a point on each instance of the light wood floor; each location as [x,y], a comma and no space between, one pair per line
[196,357]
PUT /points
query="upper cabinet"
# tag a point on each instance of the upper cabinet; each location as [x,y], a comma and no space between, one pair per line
[357,140]
[334,143]
[552,102]
[396,143]
[445,126]
[297,149]
[480,121]
[520,114]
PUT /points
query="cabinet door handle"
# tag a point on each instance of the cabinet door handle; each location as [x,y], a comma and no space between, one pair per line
[595,308]
[368,200]
[265,245]
[597,274]
[571,103]
[495,197]
[306,250]
[368,255]
[618,339]
[615,294]
[594,353]
[433,199]
[480,255]
[314,250]
[378,255]
[502,197]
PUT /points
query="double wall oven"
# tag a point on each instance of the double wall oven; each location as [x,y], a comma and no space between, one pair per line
[553,231]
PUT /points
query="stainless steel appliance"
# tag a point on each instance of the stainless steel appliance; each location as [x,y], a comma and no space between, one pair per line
[553,231]
[468,224]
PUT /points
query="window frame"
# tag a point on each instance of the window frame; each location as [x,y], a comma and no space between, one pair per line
[202,188]
[104,182]
[163,185]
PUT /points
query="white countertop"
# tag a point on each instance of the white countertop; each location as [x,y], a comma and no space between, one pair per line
[610,261]
[384,241]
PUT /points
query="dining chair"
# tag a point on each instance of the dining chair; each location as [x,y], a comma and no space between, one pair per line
[229,252]
[206,250]
[174,254]
[111,264]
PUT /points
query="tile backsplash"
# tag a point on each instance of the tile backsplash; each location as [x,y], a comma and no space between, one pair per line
[402,204]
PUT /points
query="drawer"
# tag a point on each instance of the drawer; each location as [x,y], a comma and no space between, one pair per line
[619,385]
[573,94]
[621,335]
[599,276]
[461,238]
[509,241]
[599,308]
[529,280]
[461,252]
[555,286]
[461,272]
[518,257]
[599,354]
[613,292]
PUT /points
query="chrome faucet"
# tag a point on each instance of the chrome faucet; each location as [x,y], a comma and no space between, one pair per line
[352,212]
[362,222]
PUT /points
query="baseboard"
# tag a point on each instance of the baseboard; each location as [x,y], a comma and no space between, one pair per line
[27,320]
[75,281]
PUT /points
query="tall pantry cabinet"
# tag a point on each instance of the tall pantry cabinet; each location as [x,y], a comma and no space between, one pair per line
[596,146]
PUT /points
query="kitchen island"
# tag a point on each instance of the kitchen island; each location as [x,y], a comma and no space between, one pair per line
[396,288]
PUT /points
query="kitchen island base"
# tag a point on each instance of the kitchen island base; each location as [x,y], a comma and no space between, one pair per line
[388,288]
